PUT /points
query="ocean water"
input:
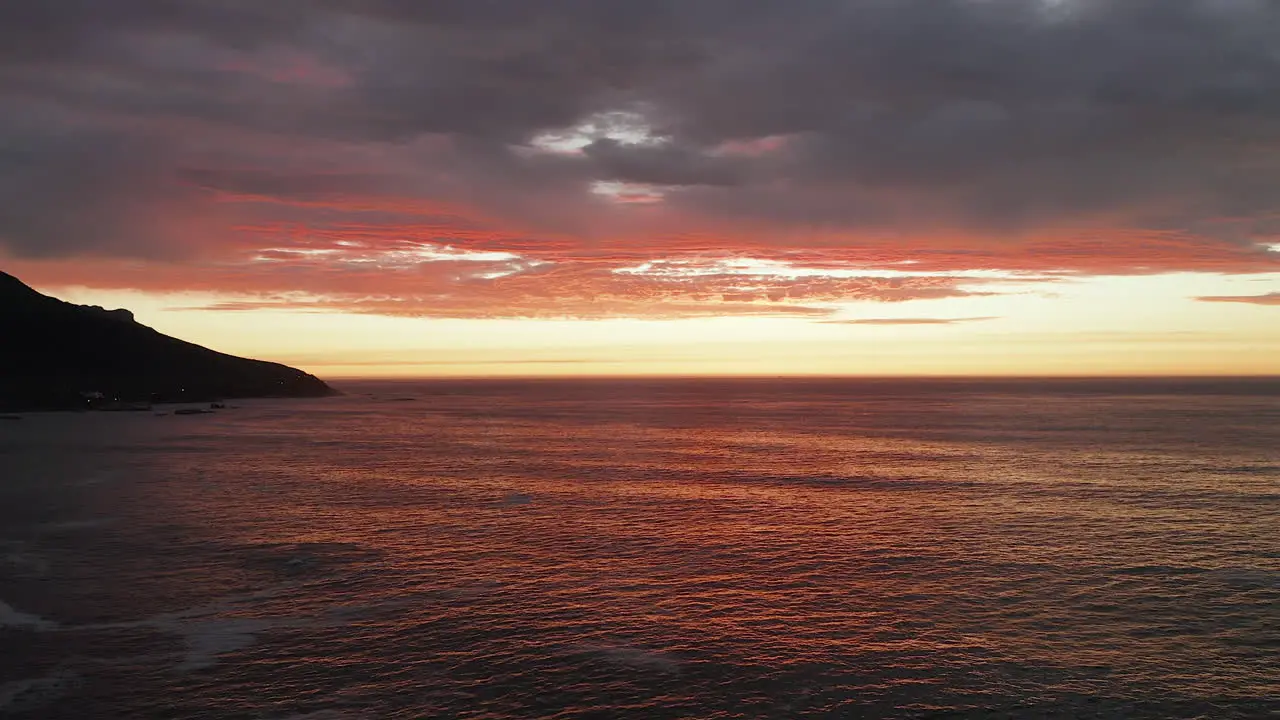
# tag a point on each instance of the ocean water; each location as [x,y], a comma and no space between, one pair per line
[651,549]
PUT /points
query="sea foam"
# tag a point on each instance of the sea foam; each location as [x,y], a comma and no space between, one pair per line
[11,618]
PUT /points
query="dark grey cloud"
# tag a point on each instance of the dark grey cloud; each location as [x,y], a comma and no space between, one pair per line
[988,116]
[69,189]
[43,31]
[663,164]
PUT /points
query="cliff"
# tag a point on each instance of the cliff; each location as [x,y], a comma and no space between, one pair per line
[53,352]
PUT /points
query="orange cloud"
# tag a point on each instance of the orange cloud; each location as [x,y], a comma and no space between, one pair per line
[1266,299]
[907,321]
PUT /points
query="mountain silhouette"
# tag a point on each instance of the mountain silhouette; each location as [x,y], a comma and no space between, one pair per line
[57,356]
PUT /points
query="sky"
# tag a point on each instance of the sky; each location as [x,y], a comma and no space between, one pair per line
[689,187]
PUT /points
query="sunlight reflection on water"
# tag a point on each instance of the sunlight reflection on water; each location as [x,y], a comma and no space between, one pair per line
[632,549]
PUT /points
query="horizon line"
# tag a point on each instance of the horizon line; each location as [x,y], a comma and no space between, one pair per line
[800,376]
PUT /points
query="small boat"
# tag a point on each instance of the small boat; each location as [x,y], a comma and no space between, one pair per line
[192,411]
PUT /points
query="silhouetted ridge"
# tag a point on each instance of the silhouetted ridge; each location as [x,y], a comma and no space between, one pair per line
[11,288]
[54,353]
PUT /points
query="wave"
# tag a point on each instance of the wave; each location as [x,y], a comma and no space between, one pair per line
[26,696]
[634,657]
[11,618]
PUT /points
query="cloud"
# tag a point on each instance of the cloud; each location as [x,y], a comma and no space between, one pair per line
[70,191]
[1075,137]
[1265,299]
[417,280]
[664,164]
[907,321]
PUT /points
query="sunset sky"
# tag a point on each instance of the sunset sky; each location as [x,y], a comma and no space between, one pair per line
[566,187]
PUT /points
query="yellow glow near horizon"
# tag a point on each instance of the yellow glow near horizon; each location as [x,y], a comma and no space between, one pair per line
[1146,325]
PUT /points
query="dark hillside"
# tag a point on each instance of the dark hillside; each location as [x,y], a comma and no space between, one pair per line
[51,352]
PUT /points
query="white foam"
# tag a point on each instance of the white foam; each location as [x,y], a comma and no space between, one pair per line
[11,691]
[9,617]
[21,696]
[206,636]
[636,657]
[74,525]
[21,561]
[516,499]
[208,639]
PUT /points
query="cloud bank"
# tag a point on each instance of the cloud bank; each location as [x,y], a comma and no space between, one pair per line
[507,158]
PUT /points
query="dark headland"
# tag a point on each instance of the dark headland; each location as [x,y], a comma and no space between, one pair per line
[58,356]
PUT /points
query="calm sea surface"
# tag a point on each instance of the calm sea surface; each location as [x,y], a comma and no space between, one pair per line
[651,549]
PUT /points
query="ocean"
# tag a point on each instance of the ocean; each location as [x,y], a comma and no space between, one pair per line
[755,548]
